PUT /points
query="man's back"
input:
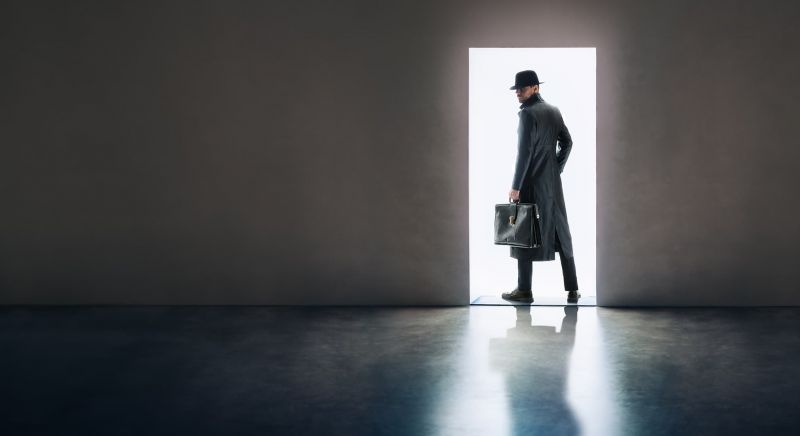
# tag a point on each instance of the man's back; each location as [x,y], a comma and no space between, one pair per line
[541,128]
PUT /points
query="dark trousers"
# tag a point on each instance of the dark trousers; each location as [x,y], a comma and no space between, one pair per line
[525,271]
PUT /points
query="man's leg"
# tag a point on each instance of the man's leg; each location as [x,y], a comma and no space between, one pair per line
[524,274]
[570,276]
[567,269]
[523,292]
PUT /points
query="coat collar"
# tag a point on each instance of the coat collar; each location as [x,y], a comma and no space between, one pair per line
[535,98]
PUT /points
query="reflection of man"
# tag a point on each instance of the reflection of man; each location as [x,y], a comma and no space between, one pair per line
[534,360]
[537,179]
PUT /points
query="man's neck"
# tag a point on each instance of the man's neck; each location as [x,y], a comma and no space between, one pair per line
[535,97]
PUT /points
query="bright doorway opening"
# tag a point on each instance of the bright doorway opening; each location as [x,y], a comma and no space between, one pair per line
[569,82]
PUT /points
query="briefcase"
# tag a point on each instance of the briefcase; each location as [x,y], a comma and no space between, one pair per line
[517,224]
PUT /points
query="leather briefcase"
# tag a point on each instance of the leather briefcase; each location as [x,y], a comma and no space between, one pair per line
[517,224]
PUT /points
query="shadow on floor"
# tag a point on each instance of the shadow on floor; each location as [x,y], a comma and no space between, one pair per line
[534,360]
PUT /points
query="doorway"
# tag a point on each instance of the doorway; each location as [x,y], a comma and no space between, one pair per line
[569,82]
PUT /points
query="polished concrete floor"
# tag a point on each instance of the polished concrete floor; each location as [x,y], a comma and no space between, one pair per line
[398,371]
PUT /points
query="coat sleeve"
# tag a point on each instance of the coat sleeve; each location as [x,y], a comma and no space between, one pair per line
[564,144]
[524,150]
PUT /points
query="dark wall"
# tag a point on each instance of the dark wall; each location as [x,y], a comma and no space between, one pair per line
[252,152]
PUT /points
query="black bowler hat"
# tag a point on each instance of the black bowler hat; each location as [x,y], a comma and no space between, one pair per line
[525,78]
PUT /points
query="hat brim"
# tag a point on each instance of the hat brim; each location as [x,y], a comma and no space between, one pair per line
[515,86]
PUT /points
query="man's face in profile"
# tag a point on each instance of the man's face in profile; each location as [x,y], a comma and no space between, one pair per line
[525,92]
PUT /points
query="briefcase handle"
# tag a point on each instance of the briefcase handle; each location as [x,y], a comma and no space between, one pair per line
[513,218]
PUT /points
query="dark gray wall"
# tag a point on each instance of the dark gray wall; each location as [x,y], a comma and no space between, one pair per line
[252,152]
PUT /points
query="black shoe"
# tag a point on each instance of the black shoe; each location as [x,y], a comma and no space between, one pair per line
[572,296]
[517,295]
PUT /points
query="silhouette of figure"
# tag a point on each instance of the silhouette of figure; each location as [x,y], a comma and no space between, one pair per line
[543,148]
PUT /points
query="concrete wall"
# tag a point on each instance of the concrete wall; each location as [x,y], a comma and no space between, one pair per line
[247,152]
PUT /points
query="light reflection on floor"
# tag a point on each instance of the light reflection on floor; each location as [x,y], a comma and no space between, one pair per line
[476,370]
[530,370]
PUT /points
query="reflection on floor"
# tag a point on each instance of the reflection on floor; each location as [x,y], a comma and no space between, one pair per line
[538,300]
[475,370]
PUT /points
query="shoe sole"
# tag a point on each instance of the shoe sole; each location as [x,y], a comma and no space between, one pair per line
[519,300]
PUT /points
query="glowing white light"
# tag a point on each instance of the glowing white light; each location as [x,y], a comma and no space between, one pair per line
[569,83]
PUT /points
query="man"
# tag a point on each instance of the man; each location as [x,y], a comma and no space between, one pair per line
[543,147]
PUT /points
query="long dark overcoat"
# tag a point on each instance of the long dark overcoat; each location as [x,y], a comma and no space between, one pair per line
[543,147]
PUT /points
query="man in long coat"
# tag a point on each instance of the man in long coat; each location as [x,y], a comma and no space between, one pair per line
[543,147]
